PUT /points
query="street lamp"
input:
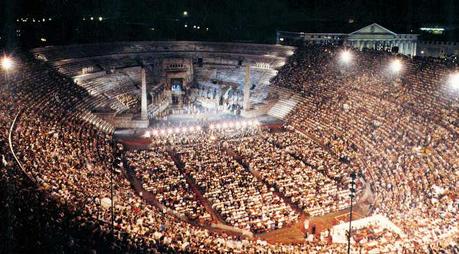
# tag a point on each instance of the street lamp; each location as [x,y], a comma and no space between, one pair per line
[352,195]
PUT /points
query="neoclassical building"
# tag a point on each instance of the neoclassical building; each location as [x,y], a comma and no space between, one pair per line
[373,36]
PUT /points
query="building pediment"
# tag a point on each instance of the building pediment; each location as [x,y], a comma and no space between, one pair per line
[374,31]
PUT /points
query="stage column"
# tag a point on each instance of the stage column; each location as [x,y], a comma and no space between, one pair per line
[247,88]
[143,108]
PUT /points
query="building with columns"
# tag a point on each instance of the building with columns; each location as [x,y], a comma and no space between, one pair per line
[373,36]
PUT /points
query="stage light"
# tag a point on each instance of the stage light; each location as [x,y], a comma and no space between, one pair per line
[238,124]
[100,18]
[396,66]
[231,125]
[185,13]
[225,125]
[454,81]
[170,131]
[7,63]
[211,126]
[163,132]
[185,25]
[92,18]
[147,134]
[346,56]
[155,132]
[198,128]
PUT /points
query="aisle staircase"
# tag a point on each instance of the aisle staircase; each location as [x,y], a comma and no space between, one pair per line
[287,101]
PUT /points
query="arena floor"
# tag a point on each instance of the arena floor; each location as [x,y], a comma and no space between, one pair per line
[290,234]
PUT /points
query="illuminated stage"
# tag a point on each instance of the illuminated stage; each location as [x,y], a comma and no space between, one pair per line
[165,83]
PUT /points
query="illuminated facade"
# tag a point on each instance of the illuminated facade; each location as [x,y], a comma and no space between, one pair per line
[373,36]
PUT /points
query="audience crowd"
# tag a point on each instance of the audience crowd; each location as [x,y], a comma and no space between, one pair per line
[240,199]
[398,131]
[159,175]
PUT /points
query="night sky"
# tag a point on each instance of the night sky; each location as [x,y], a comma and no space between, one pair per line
[218,20]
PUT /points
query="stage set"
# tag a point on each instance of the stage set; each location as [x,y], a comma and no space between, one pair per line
[180,84]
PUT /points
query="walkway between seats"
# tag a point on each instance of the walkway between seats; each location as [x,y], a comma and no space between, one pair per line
[216,218]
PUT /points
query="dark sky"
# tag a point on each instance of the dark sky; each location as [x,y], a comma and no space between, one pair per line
[251,20]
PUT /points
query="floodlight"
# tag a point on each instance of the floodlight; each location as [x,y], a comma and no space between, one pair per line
[346,56]
[7,63]
[396,66]
[454,81]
